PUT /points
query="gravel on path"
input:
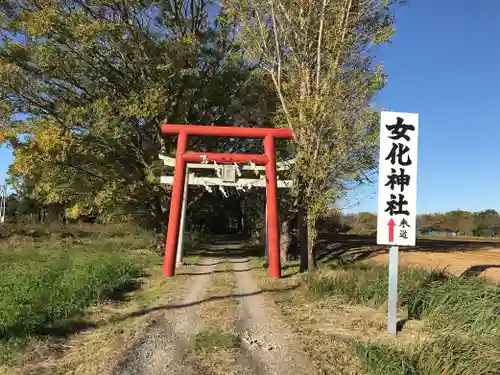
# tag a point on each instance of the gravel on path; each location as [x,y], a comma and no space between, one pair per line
[162,348]
[265,336]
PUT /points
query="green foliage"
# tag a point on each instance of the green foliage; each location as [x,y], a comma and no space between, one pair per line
[359,284]
[458,354]
[382,360]
[460,221]
[483,223]
[486,223]
[468,303]
[318,55]
[47,287]
[364,223]
[94,81]
[415,283]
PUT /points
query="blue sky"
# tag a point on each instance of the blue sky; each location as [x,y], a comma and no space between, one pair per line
[442,64]
[5,160]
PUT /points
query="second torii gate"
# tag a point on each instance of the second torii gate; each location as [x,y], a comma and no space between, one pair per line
[268,159]
[231,176]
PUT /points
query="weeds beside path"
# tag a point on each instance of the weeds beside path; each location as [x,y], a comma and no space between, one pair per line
[71,306]
[449,324]
[100,305]
[46,287]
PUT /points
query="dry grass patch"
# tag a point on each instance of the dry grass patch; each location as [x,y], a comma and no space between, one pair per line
[330,353]
[328,347]
[457,333]
[444,352]
[328,326]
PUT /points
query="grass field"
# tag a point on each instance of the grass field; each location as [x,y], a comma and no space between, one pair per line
[52,278]
[461,314]
[444,300]
[458,319]
[49,277]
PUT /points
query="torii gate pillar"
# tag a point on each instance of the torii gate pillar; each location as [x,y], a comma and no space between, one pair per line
[268,159]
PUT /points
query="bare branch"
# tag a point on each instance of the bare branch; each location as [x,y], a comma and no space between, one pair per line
[277,44]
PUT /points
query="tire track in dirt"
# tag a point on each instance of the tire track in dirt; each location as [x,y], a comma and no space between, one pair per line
[163,345]
[217,349]
[267,341]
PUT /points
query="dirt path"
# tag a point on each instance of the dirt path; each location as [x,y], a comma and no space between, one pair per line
[238,329]
[266,345]
[162,349]
[265,336]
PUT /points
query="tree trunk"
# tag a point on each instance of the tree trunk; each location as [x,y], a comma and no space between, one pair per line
[285,239]
[240,223]
[303,240]
[160,217]
[311,236]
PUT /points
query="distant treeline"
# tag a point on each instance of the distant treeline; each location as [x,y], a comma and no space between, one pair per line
[229,211]
[462,223]
[206,213]
[27,210]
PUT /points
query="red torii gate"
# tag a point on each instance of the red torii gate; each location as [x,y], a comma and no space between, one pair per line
[268,159]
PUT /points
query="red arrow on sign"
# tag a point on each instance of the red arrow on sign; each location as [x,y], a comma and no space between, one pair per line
[391,225]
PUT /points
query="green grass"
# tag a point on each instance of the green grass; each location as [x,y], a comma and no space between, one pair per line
[190,260]
[462,312]
[383,360]
[46,287]
[467,303]
[216,339]
[445,353]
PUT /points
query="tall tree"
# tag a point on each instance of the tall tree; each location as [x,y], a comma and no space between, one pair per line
[486,223]
[85,85]
[319,56]
[460,221]
[366,223]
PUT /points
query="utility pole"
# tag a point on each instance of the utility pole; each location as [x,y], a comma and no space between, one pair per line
[3,202]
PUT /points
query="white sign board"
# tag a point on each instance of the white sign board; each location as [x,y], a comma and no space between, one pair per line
[397,179]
